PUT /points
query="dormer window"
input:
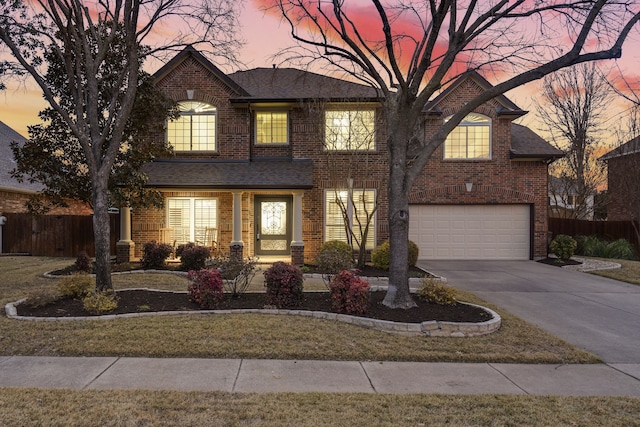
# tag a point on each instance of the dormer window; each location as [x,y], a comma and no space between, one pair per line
[195,129]
[272,127]
[471,139]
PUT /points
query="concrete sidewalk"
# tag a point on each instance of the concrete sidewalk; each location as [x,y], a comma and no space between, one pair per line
[266,376]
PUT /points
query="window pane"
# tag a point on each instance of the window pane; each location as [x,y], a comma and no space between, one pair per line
[271,127]
[195,129]
[179,219]
[350,130]
[358,208]
[205,215]
[471,139]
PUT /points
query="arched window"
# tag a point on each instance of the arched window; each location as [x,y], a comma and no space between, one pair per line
[471,139]
[195,129]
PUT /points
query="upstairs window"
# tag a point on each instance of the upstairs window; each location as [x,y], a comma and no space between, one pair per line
[471,139]
[349,130]
[195,129]
[272,127]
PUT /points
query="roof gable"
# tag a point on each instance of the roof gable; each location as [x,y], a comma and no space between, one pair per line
[503,105]
[190,52]
[630,147]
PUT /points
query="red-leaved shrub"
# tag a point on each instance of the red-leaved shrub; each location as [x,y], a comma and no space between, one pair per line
[206,288]
[284,285]
[349,293]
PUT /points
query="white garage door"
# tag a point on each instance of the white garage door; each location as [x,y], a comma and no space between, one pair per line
[471,231]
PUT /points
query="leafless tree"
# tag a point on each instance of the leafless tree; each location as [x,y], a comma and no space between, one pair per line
[573,106]
[410,49]
[81,34]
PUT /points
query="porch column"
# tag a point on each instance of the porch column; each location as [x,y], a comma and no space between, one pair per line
[297,244]
[236,247]
[125,246]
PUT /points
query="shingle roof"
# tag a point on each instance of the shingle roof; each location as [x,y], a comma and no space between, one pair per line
[629,147]
[525,143]
[7,162]
[291,84]
[216,174]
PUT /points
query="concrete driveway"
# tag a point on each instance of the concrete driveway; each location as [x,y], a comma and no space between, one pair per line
[591,312]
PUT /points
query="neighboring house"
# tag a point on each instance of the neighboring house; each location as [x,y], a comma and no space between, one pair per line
[14,194]
[263,156]
[564,200]
[623,176]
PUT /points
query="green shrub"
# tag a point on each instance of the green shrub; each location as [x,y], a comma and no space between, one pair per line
[76,285]
[192,257]
[206,288]
[83,263]
[284,285]
[333,257]
[154,254]
[619,249]
[436,292]
[349,293]
[414,251]
[100,302]
[236,273]
[563,246]
[381,255]
[596,247]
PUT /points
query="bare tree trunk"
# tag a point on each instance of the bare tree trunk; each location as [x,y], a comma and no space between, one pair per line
[102,234]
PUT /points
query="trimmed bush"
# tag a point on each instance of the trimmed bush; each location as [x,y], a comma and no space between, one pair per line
[192,257]
[206,288]
[436,292]
[236,274]
[284,285]
[100,302]
[349,293]
[414,251]
[381,255]
[83,263]
[76,285]
[154,254]
[563,246]
[334,256]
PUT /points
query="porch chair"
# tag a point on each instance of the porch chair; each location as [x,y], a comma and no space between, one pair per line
[166,235]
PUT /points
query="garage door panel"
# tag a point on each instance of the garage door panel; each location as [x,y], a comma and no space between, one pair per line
[471,231]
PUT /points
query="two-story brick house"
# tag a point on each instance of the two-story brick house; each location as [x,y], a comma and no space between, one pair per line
[623,181]
[264,157]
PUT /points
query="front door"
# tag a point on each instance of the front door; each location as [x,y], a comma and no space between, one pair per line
[273,225]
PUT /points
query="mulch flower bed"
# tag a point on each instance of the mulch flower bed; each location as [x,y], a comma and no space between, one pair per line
[139,301]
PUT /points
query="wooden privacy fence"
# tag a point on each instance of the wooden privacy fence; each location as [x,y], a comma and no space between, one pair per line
[610,230]
[53,235]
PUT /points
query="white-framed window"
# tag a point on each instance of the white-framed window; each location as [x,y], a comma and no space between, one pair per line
[189,217]
[195,129]
[349,130]
[272,127]
[471,139]
[358,208]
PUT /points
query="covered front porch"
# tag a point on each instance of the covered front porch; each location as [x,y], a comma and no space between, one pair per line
[263,219]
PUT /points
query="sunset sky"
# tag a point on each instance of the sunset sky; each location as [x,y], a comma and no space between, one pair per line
[265,35]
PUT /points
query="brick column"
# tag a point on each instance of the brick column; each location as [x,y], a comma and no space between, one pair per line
[297,254]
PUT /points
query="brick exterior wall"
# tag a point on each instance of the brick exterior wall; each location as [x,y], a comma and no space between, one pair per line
[14,202]
[496,181]
[623,193]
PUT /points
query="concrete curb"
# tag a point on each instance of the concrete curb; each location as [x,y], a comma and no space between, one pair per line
[431,328]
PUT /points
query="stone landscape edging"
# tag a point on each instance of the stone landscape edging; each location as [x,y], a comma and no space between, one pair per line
[432,328]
